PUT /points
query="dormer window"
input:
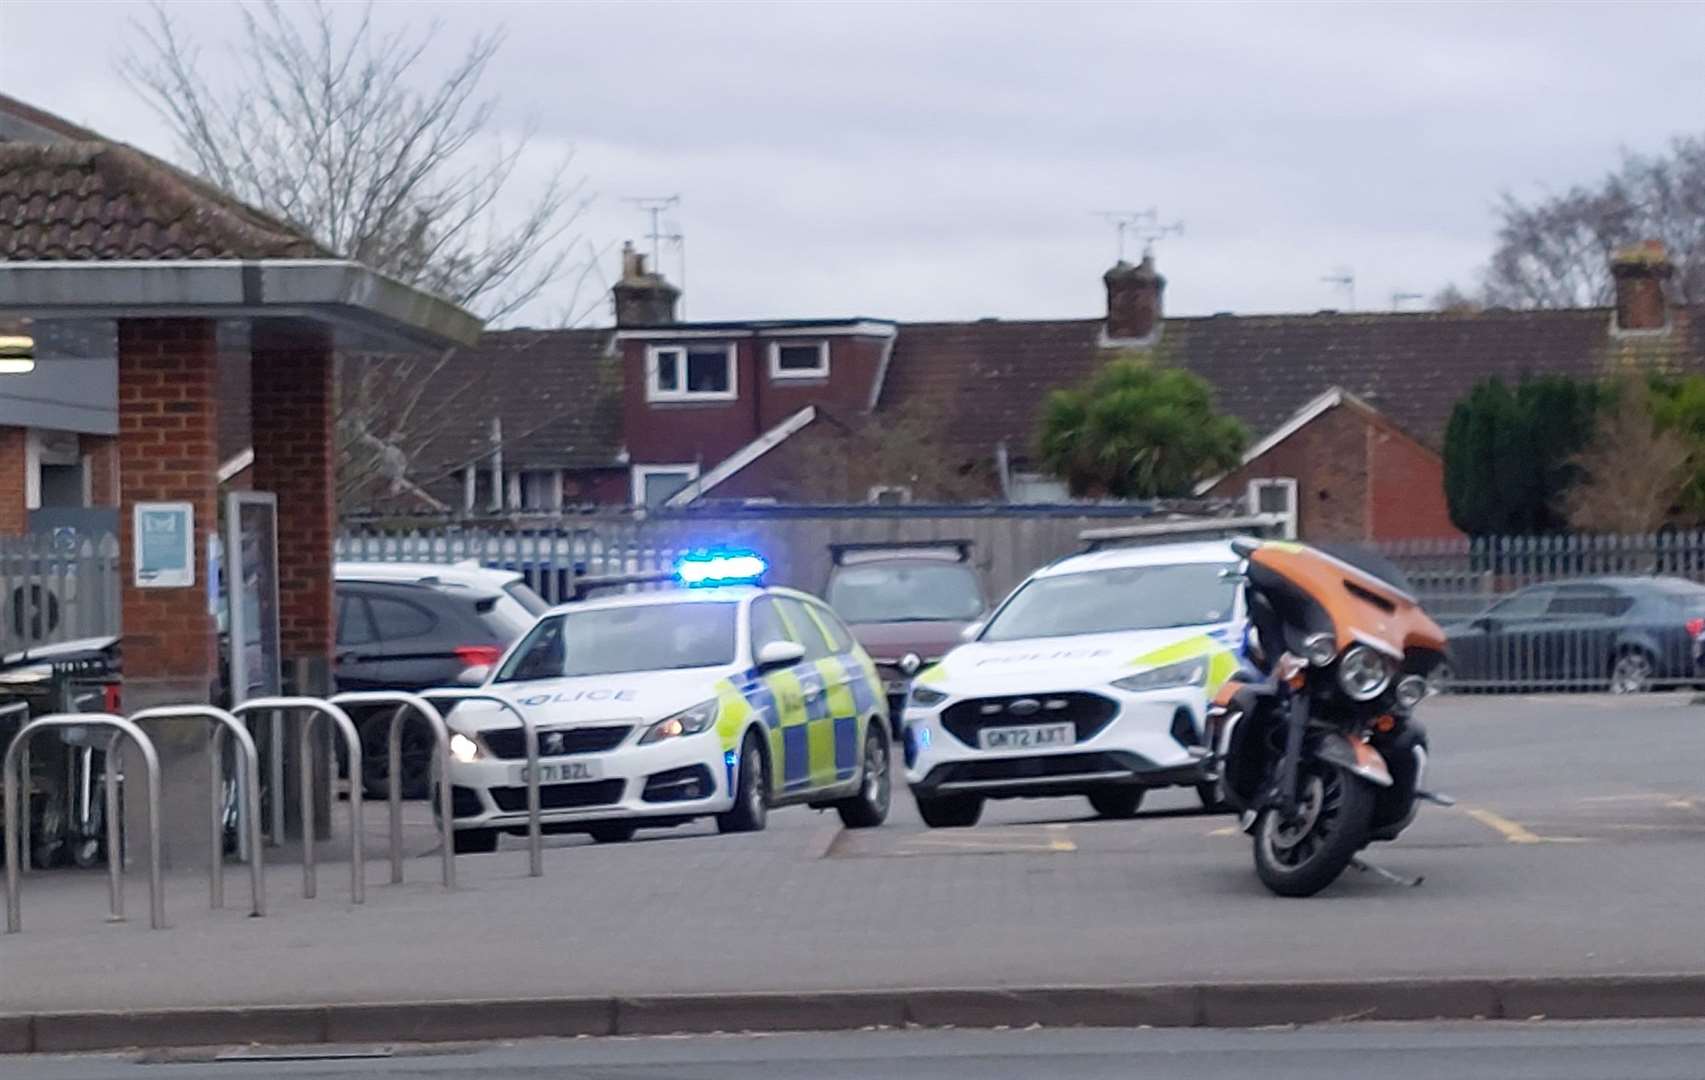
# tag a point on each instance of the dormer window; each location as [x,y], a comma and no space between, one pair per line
[698,372]
[799,359]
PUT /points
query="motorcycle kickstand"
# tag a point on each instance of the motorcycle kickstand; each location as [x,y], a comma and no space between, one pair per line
[1381,872]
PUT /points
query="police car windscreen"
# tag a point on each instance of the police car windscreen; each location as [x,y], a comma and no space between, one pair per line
[608,641]
[1109,601]
[906,592]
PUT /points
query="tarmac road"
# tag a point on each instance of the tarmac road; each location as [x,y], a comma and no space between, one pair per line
[1392,1052]
[1578,849]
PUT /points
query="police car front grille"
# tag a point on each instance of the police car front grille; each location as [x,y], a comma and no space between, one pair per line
[1088,712]
[1033,768]
[560,796]
[511,744]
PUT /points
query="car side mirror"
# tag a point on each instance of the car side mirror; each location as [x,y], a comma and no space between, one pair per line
[474,676]
[1488,623]
[776,654]
[971,631]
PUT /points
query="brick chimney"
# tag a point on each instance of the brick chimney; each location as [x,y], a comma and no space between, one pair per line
[1133,300]
[642,297]
[1640,272]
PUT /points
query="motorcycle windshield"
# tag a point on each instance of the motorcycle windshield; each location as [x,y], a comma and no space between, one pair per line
[1361,604]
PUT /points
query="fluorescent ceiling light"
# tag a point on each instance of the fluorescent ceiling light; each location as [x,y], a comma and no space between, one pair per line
[17,355]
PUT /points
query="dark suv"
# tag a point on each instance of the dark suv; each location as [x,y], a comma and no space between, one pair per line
[408,626]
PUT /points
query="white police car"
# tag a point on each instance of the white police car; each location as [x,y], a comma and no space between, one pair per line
[718,699]
[1092,679]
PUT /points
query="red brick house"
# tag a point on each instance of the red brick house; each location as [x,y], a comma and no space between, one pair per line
[1346,411]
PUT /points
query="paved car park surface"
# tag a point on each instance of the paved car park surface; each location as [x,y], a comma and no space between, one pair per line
[1578,849]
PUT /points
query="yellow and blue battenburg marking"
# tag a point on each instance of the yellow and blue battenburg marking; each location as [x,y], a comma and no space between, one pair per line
[812,716]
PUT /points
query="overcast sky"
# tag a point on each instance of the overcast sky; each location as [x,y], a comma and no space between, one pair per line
[923,161]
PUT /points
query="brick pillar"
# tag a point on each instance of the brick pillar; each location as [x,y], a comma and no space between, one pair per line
[102,451]
[167,453]
[292,427]
[14,514]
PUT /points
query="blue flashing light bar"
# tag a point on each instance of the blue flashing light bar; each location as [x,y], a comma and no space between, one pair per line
[708,569]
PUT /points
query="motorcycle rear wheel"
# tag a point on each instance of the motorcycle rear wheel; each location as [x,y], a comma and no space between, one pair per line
[1303,855]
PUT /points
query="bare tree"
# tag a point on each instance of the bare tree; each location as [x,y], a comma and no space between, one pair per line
[1555,251]
[843,460]
[1632,472]
[342,129]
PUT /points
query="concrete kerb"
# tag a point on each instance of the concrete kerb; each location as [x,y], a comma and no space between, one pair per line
[1231,1005]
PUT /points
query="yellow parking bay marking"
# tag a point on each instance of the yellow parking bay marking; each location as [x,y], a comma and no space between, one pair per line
[992,841]
[1229,830]
[1674,802]
[1515,832]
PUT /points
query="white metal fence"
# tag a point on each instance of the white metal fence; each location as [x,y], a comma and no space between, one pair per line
[57,587]
[1007,543]
[1565,611]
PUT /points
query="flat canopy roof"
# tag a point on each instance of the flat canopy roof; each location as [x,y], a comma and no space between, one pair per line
[367,307]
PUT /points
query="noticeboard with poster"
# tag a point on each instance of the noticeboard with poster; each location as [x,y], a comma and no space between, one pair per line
[251,590]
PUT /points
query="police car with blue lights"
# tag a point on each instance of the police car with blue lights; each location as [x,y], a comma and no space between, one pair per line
[721,698]
[1091,679]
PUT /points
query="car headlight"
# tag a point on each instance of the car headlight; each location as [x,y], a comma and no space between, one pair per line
[1363,673]
[686,722]
[1184,673]
[924,697]
[464,749]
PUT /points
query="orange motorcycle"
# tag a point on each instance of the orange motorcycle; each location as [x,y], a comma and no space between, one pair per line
[1316,746]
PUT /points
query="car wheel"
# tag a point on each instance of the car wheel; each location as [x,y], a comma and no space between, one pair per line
[1117,802]
[751,792]
[418,747]
[950,811]
[612,832]
[1631,673]
[869,808]
[475,841]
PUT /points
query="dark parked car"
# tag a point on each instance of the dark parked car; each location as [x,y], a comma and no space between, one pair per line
[408,626]
[904,600]
[1625,633]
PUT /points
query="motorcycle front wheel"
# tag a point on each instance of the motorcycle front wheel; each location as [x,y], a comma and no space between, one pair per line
[1301,854]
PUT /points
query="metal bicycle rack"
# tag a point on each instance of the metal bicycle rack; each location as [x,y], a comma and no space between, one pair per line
[535,833]
[316,709]
[248,780]
[441,742]
[9,775]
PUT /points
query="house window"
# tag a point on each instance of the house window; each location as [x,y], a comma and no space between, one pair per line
[1276,496]
[690,373]
[799,360]
[654,484]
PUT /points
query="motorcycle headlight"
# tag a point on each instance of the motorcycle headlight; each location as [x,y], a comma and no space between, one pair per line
[924,697]
[1184,673]
[691,721]
[1411,691]
[463,749]
[1364,673]
[1320,649]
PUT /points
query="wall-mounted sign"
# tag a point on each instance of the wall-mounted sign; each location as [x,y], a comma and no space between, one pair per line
[164,546]
[251,587]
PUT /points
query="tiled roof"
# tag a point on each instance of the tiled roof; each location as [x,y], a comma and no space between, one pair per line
[96,200]
[558,393]
[988,378]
